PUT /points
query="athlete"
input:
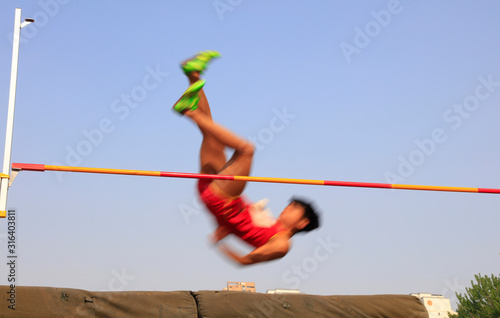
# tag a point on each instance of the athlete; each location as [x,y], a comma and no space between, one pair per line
[235,215]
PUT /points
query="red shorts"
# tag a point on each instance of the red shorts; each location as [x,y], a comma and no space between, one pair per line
[222,208]
[234,214]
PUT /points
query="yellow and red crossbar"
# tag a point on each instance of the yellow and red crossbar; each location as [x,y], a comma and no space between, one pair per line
[41,167]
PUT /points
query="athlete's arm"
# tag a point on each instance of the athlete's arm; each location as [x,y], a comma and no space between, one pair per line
[220,233]
[274,249]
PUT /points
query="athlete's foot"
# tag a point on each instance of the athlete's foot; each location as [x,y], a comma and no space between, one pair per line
[199,63]
[189,100]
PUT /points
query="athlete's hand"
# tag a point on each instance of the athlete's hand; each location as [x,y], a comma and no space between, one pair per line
[228,252]
[274,249]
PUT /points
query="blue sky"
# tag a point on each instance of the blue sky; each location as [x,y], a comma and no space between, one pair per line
[385,91]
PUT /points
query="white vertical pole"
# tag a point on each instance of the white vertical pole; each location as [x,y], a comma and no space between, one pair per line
[10,115]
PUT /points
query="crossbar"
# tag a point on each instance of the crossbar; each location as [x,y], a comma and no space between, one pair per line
[42,168]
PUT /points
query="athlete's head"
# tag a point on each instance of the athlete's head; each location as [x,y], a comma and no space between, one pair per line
[299,216]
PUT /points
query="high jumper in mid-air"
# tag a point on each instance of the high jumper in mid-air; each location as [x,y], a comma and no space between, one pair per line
[223,198]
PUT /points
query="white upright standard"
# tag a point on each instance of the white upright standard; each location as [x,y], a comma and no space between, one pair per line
[10,114]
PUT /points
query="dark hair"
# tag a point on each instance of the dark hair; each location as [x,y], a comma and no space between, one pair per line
[310,213]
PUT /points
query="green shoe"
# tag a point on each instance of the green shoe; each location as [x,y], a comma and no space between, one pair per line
[189,100]
[200,62]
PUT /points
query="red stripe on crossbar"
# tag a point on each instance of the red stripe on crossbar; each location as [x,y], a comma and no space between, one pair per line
[28,166]
[485,190]
[358,184]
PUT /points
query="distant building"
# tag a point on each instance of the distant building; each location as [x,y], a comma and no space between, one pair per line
[240,286]
[437,305]
[283,291]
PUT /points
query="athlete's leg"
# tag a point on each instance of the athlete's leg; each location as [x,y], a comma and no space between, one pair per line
[216,137]
[212,156]
[241,161]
